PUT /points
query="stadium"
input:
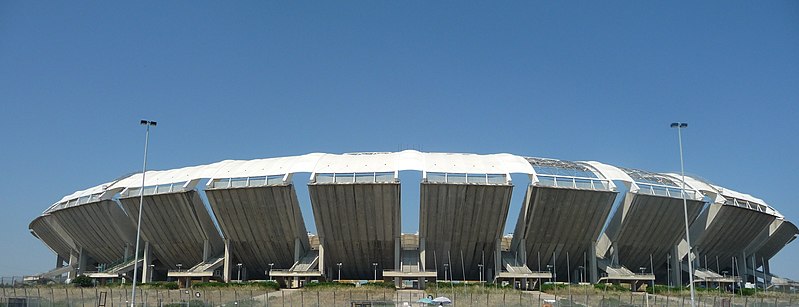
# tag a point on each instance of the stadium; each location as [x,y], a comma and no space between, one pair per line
[582,221]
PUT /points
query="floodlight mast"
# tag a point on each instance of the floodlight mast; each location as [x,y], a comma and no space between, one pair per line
[679,127]
[146,123]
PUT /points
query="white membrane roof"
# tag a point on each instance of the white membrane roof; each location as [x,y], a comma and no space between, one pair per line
[372,162]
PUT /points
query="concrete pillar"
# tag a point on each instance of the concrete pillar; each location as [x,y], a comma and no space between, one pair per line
[73,264]
[227,262]
[147,274]
[397,253]
[498,258]
[422,282]
[82,261]
[206,250]
[676,266]
[321,254]
[59,262]
[422,252]
[592,266]
[298,252]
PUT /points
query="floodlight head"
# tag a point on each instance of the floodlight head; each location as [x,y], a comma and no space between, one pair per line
[683,125]
[675,125]
[153,124]
[143,122]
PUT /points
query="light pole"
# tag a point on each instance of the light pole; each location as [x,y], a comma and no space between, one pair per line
[582,271]
[270,270]
[374,264]
[679,127]
[446,265]
[146,123]
[480,267]
[239,265]
[339,271]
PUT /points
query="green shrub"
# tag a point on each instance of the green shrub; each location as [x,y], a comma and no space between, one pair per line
[162,285]
[265,284]
[211,284]
[83,281]
[380,284]
[327,284]
[551,287]
[612,287]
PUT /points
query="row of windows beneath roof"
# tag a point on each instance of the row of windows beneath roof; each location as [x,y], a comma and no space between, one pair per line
[558,171]
[241,182]
[155,189]
[376,177]
[77,201]
[571,182]
[746,204]
[467,178]
[659,190]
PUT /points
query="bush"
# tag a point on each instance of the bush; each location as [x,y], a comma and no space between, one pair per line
[380,284]
[611,287]
[83,281]
[551,287]
[163,285]
[327,284]
[212,284]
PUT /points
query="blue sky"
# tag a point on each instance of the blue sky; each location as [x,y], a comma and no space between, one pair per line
[579,80]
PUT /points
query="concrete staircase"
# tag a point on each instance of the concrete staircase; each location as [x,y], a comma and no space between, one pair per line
[208,265]
[307,263]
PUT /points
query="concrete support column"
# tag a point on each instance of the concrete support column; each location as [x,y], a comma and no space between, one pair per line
[147,274]
[397,254]
[422,253]
[676,267]
[82,261]
[298,252]
[593,274]
[59,261]
[206,250]
[322,254]
[498,258]
[73,264]
[227,262]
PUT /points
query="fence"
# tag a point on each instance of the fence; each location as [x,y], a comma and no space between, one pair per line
[111,297]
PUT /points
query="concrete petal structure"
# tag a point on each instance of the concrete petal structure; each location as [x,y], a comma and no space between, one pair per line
[177,227]
[101,228]
[461,226]
[358,225]
[263,224]
[464,202]
[563,213]
[649,223]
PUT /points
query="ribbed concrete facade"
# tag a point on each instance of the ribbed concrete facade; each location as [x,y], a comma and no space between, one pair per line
[648,228]
[461,226]
[255,220]
[358,225]
[560,222]
[101,228]
[732,229]
[177,227]
[263,225]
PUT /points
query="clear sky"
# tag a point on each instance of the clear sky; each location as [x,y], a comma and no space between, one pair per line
[576,80]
